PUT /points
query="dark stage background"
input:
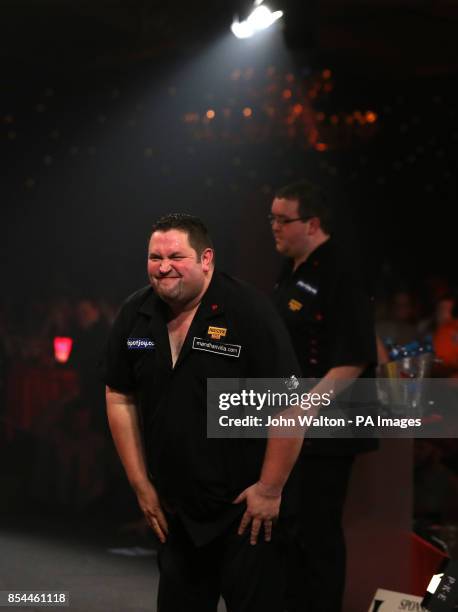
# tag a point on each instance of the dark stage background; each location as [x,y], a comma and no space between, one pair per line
[105,128]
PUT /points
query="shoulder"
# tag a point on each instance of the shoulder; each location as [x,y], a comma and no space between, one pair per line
[328,258]
[246,301]
[240,292]
[137,298]
[137,301]
[341,268]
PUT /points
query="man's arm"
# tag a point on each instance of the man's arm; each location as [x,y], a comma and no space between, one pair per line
[264,497]
[281,453]
[123,421]
[338,379]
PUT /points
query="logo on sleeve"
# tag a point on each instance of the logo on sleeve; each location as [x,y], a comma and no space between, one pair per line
[306,287]
[294,305]
[216,333]
[140,343]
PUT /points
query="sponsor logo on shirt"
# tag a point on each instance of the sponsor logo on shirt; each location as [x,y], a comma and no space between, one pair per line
[140,343]
[306,287]
[294,305]
[220,348]
[216,332]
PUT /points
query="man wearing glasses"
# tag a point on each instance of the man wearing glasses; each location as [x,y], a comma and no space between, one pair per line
[329,317]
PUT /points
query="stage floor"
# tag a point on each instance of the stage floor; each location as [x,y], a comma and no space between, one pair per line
[54,555]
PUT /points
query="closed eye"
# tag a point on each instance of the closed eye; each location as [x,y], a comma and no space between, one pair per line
[174,257]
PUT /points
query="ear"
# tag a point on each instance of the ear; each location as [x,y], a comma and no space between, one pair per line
[207,258]
[314,225]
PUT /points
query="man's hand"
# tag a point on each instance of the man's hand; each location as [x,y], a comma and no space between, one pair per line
[263,507]
[148,500]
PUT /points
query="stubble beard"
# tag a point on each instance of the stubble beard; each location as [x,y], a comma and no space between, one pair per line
[169,294]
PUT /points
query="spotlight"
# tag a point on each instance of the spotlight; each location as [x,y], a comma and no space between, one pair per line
[260,18]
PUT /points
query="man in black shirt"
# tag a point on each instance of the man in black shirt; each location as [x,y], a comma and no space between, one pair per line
[329,317]
[206,499]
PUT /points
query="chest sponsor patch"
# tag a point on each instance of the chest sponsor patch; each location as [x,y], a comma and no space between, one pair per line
[216,332]
[140,343]
[294,305]
[306,287]
[220,348]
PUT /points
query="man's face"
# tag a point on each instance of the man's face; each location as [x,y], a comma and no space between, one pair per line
[175,271]
[403,308]
[291,239]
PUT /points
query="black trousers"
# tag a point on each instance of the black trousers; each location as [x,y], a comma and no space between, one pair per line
[316,555]
[249,578]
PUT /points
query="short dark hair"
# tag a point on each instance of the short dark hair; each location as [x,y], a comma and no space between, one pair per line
[194,227]
[312,201]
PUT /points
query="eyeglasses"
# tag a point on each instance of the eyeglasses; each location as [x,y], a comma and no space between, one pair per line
[285,221]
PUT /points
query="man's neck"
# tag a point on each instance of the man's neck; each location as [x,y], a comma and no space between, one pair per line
[301,258]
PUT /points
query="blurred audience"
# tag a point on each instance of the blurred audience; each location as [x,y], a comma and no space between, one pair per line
[442,314]
[400,324]
[445,338]
[89,339]
[59,433]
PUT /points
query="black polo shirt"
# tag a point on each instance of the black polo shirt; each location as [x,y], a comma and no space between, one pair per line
[330,318]
[197,477]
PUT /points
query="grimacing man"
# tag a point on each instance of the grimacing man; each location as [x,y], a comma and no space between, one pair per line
[211,502]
